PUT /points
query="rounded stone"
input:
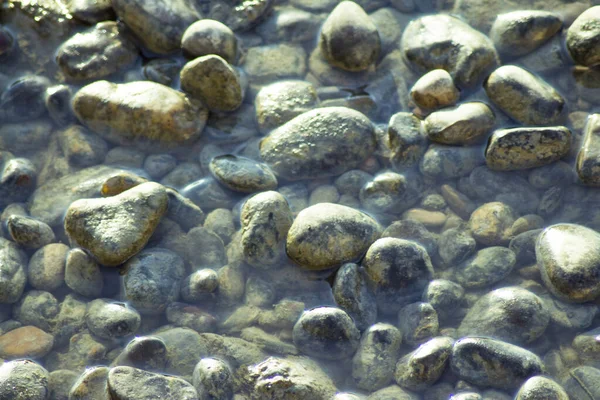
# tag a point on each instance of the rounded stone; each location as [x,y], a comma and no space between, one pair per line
[242,174]
[326,333]
[319,143]
[434,90]
[541,388]
[46,269]
[199,285]
[208,36]
[327,235]
[29,232]
[491,223]
[390,192]
[83,274]
[23,99]
[569,261]
[144,352]
[421,368]
[212,80]
[24,379]
[60,383]
[418,322]
[127,383]
[108,319]
[159,165]
[511,314]
[455,245]
[465,124]
[352,294]
[25,342]
[82,147]
[583,37]
[90,385]
[349,39]
[444,296]
[449,162]
[582,383]
[407,141]
[486,267]
[213,379]
[37,308]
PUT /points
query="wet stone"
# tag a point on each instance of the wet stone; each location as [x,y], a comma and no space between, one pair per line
[290,24]
[96,53]
[540,387]
[392,392]
[199,285]
[435,90]
[37,308]
[352,181]
[551,202]
[588,157]
[349,39]
[213,379]
[28,379]
[70,319]
[586,346]
[29,232]
[91,11]
[448,162]
[491,224]
[349,231]
[91,385]
[524,148]
[220,221]
[465,124]
[418,322]
[583,37]
[524,97]
[391,192]
[232,284]
[486,267]
[25,342]
[520,32]
[326,333]
[215,82]
[46,269]
[159,165]
[324,194]
[406,139]
[17,180]
[185,315]
[145,114]
[493,363]
[183,211]
[162,70]
[127,383]
[82,273]
[242,174]
[455,245]
[468,55]
[58,104]
[279,102]
[81,147]
[444,296]
[108,319]
[265,64]
[23,99]
[259,292]
[430,219]
[143,352]
[569,270]
[148,285]
[373,363]
[352,295]
[60,382]
[582,383]
[331,141]
[423,367]
[206,37]
[24,136]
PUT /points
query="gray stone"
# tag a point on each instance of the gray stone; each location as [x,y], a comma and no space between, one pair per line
[468,123]
[91,11]
[524,97]
[455,245]
[492,363]
[58,104]
[81,147]
[442,41]
[242,174]
[82,274]
[24,379]
[46,269]
[444,296]
[327,235]
[352,181]
[339,139]
[448,162]
[29,232]
[91,385]
[144,352]
[486,267]
[326,333]
[588,157]
[586,346]
[520,32]
[70,319]
[523,245]
[37,308]
[213,379]
[265,64]
[208,36]
[199,285]
[25,136]
[391,192]
[435,90]
[569,316]
[551,202]
[324,194]
[413,231]
[352,294]
[127,383]
[421,368]
[511,314]
[108,319]
[182,175]
[373,363]
[393,392]
[583,37]
[232,284]
[582,383]
[540,388]
[189,316]
[148,285]
[290,24]
[23,99]
[418,322]
[183,211]
[60,383]
[259,292]
[159,165]
[407,141]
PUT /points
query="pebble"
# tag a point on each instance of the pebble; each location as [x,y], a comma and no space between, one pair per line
[280,102]
[569,269]
[418,323]
[135,214]
[259,292]
[373,363]
[587,158]
[29,232]
[126,157]
[349,39]
[449,162]
[37,308]
[58,104]
[511,314]
[82,274]
[389,191]
[394,392]
[22,137]
[324,194]
[96,53]
[211,79]
[220,221]
[326,333]
[444,296]
[265,64]
[457,201]
[446,42]
[208,36]
[70,319]
[91,385]
[147,115]
[127,383]
[232,284]
[407,141]
[290,24]
[159,165]
[92,11]
[465,124]
[242,174]
[60,382]
[493,363]
[430,219]
[81,147]
[582,383]
[213,379]
[25,342]
[520,32]
[486,267]
[421,368]
[583,36]
[144,352]
[23,99]
[183,211]
[539,388]
[199,285]
[327,235]
[352,294]
[352,181]
[185,315]
[435,90]
[27,378]
[319,143]
[491,224]
[455,245]
[148,286]
[108,319]
[46,269]
[524,97]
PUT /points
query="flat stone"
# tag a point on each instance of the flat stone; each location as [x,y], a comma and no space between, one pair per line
[25,342]
[448,162]
[127,383]
[421,368]
[486,267]
[539,388]
[242,174]
[582,383]
[465,124]
[13,269]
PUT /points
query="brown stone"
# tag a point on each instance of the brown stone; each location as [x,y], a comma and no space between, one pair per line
[25,342]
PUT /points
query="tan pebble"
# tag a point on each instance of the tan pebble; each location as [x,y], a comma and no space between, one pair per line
[27,341]
[430,219]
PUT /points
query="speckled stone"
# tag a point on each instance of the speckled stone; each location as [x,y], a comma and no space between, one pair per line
[491,223]
[435,90]
[24,379]
[486,267]
[242,174]
[421,368]
[465,124]
[352,294]
[520,32]
[583,37]
[127,383]
[213,379]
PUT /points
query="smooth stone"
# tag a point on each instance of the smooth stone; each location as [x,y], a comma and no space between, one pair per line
[81,147]
[430,219]
[183,211]
[520,32]
[391,192]
[159,165]
[444,296]
[352,181]
[455,245]
[493,363]
[457,201]
[583,37]
[27,378]
[148,286]
[373,363]
[511,314]
[465,124]
[435,90]
[423,367]
[25,342]
[525,148]
[70,319]
[159,27]
[17,180]
[486,267]
[443,41]
[327,235]
[82,274]
[586,346]
[21,137]
[23,99]
[91,11]
[242,174]
[108,319]
[541,388]
[279,102]
[144,352]
[60,382]
[418,323]
[91,385]
[199,285]
[569,262]
[220,221]
[127,383]
[113,241]
[46,269]
[290,24]
[319,143]
[349,39]
[185,315]
[326,333]
[58,104]
[208,36]
[524,97]
[406,138]
[551,202]
[213,379]
[449,162]
[324,194]
[491,223]
[147,115]
[588,157]
[352,294]
[29,232]
[265,64]
[212,80]
[37,308]
[96,53]
[582,383]
[393,392]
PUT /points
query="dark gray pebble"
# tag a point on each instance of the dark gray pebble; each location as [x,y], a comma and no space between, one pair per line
[352,294]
